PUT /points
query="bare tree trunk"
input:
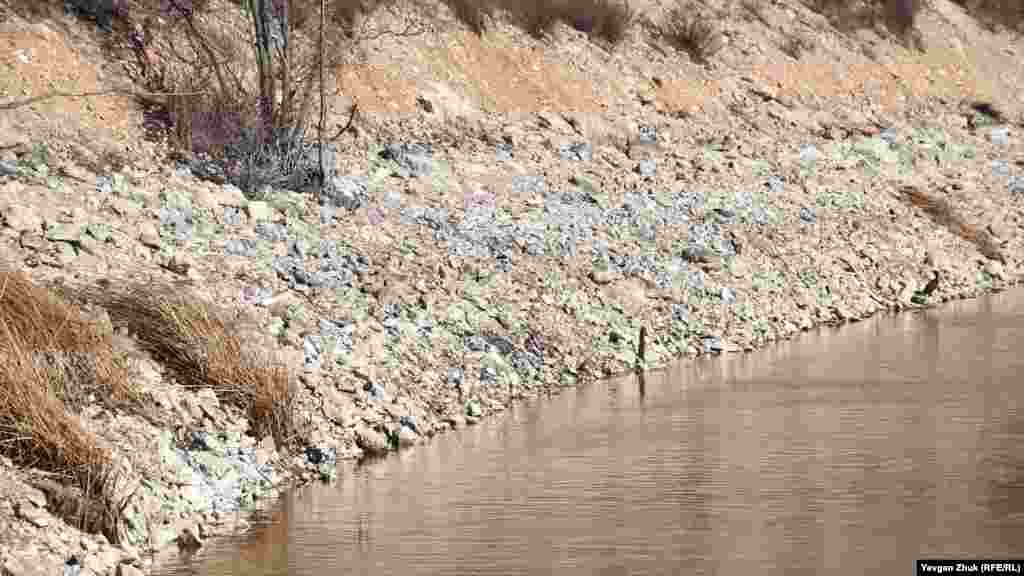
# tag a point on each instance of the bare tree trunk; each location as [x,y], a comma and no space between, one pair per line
[265,64]
[285,109]
[323,104]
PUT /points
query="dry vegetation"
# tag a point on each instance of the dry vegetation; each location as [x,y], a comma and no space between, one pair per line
[36,428]
[687,27]
[54,360]
[255,118]
[606,20]
[997,14]
[943,214]
[198,346]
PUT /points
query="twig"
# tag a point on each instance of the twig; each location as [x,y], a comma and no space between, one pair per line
[112,91]
[641,350]
[351,118]
[323,106]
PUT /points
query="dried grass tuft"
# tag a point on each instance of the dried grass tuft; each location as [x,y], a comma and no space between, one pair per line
[199,347]
[688,27]
[36,428]
[943,214]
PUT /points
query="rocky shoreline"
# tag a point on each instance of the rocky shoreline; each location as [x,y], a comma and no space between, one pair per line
[440,318]
[453,270]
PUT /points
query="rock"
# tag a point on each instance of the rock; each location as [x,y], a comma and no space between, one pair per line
[455,376]
[503,151]
[258,210]
[8,168]
[712,344]
[204,200]
[178,220]
[349,192]
[406,437]
[102,561]
[189,540]
[265,451]
[999,229]
[371,441]
[33,514]
[27,563]
[160,537]
[271,232]
[181,264]
[33,241]
[727,295]
[999,135]
[100,231]
[230,195]
[1016,185]
[338,407]
[149,236]
[578,151]
[646,168]
[413,160]
[128,570]
[20,217]
[473,409]
[809,154]
[630,293]
[317,456]
[603,277]
[995,269]
[327,214]
[906,294]
[231,216]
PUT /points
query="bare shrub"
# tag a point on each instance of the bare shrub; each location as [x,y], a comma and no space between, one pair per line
[795,46]
[847,15]
[754,10]
[197,345]
[997,14]
[688,28]
[473,13]
[898,16]
[243,82]
[536,17]
[605,19]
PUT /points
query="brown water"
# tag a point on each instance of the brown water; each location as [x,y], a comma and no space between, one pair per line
[851,450]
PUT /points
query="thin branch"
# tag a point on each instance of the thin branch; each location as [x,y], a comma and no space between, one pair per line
[110,92]
[408,31]
[351,117]
[323,106]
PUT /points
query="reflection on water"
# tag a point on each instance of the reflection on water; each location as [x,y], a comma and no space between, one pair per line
[843,450]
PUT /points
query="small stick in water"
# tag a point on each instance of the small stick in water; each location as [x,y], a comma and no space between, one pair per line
[641,348]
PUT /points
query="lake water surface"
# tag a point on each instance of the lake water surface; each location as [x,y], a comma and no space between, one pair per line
[849,450]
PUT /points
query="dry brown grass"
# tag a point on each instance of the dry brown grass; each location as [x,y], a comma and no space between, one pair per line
[199,347]
[75,352]
[943,214]
[36,428]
